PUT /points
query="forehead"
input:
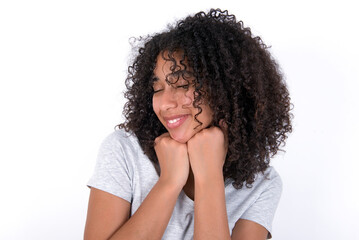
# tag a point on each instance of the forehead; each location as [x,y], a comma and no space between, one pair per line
[168,62]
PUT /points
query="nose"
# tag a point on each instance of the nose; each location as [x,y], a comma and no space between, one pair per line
[169,99]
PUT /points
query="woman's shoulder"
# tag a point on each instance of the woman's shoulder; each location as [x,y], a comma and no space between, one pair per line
[115,166]
[268,179]
[121,140]
[120,136]
[270,174]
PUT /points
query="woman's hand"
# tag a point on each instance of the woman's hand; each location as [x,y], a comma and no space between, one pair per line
[207,152]
[173,160]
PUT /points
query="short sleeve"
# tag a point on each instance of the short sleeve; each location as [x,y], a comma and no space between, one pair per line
[112,172]
[263,209]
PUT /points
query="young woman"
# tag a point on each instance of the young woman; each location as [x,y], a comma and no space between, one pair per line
[207,109]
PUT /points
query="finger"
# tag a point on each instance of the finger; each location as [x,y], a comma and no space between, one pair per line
[164,135]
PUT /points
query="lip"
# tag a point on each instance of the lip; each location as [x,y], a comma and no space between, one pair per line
[180,120]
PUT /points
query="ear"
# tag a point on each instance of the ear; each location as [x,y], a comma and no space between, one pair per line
[224,127]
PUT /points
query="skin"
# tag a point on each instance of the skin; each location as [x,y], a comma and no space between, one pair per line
[176,100]
[191,159]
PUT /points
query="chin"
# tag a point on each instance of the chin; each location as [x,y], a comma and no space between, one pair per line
[180,138]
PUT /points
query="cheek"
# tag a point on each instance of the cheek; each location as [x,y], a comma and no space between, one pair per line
[207,115]
[187,98]
[155,105]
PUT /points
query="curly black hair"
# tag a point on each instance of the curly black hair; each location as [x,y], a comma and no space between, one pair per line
[237,76]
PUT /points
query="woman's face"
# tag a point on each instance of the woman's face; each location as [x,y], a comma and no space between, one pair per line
[173,104]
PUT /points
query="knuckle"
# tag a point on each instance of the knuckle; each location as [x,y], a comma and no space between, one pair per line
[157,140]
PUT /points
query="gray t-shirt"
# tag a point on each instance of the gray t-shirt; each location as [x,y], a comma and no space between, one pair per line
[123,170]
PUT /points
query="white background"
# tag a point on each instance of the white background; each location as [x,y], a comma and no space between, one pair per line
[62,71]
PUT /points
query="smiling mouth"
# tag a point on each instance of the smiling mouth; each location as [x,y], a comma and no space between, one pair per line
[176,122]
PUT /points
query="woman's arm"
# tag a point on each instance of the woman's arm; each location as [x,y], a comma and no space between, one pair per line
[108,215]
[248,230]
[210,215]
[151,218]
[207,152]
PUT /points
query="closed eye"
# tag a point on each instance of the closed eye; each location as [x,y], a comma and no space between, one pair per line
[156,91]
[183,86]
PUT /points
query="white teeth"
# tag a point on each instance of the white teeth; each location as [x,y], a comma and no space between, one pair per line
[173,120]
